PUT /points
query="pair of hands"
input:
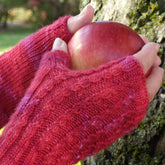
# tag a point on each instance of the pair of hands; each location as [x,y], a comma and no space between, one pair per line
[147,56]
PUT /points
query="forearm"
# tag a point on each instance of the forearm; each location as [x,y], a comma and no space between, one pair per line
[18,66]
[68,115]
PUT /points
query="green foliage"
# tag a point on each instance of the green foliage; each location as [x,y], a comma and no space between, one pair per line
[5,6]
[8,4]
[46,11]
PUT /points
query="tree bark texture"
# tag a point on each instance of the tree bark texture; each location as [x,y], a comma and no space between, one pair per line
[145,145]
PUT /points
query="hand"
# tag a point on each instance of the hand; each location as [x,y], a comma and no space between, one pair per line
[85,17]
[147,57]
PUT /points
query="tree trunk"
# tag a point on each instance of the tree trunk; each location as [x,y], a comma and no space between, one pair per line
[145,145]
[4,16]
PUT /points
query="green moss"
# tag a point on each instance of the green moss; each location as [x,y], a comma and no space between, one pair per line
[147,20]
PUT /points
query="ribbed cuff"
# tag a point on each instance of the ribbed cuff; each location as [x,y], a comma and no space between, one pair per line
[61,26]
[55,58]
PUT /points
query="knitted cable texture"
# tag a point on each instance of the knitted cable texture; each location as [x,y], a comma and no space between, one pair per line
[67,115]
[18,66]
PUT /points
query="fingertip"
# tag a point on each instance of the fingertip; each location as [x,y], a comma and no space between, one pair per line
[145,39]
[85,17]
[87,14]
[154,81]
[157,47]
[59,44]
[157,61]
[91,10]
[88,9]
[161,71]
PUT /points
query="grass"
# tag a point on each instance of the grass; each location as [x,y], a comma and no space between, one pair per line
[12,35]
[1,130]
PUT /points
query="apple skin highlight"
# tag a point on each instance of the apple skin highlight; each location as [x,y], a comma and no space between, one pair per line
[100,42]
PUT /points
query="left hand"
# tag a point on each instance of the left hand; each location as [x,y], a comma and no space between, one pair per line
[147,57]
[80,20]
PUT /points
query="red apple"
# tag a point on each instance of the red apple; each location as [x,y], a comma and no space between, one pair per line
[100,42]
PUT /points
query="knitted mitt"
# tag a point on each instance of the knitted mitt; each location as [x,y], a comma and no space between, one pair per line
[18,66]
[67,115]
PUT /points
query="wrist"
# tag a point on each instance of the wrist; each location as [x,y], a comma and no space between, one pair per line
[55,58]
[61,27]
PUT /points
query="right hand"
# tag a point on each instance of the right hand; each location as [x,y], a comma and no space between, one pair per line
[147,57]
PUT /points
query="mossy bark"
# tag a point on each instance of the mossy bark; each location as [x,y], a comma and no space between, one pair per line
[146,144]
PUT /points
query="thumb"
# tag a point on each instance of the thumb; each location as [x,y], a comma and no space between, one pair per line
[80,20]
[59,44]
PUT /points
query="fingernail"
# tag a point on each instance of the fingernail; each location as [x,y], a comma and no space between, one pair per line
[57,43]
[83,11]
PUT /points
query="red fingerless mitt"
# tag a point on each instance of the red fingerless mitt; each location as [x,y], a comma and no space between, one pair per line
[17,67]
[67,115]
